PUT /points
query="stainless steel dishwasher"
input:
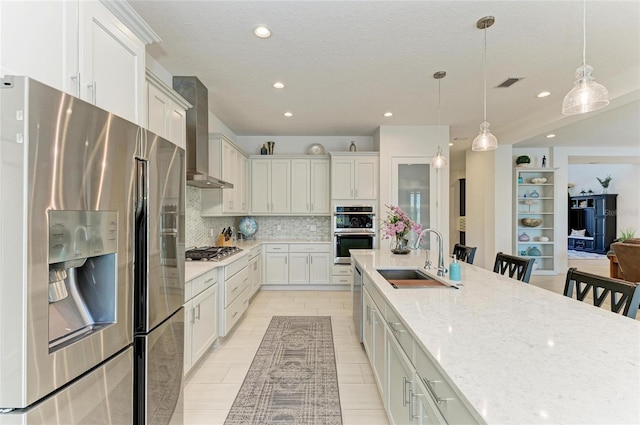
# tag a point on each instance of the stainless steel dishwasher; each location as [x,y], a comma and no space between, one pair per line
[357,301]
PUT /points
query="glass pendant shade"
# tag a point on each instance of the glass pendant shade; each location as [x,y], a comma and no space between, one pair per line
[586,95]
[439,161]
[484,141]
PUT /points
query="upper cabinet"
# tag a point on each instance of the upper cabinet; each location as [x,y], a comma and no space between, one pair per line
[310,186]
[85,48]
[290,185]
[354,176]
[226,162]
[166,111]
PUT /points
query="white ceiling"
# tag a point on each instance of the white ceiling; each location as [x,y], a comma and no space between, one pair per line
[345,63]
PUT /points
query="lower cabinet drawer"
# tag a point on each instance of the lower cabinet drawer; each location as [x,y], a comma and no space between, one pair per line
[204,281]
[235,286]
[398,329]
[450,402]
[234,311]
[342,280]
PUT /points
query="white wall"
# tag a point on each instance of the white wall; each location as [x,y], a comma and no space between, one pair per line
[625,183]
[407,141]
[299,145]
[489,210]
[561,157]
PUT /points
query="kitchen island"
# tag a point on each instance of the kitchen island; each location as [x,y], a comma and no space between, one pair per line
[517,353]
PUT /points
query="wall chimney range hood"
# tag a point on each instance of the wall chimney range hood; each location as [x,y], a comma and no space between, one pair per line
[192,89]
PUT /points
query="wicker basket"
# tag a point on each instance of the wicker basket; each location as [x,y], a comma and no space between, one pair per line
[531,222]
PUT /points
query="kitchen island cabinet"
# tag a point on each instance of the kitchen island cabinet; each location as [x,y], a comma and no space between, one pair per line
[201,323]
[496,351]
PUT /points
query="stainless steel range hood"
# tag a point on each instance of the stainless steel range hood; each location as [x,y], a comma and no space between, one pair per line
[196,93]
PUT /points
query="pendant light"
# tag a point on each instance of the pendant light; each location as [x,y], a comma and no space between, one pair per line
[485,141]
[439,161]
[586,95]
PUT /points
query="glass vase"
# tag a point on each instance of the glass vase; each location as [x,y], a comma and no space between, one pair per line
[400,245]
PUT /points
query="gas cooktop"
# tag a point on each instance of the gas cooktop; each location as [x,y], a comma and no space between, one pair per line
[210,253]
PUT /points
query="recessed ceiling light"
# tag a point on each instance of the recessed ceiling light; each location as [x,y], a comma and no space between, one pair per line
[388,114]
[450,144]
[278,85]
[551,136]
[544,94]
[288,114]
[262,32]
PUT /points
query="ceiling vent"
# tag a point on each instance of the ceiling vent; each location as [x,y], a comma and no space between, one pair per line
[509,82]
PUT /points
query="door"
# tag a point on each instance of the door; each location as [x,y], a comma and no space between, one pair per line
[319,263]
[205,323]
[367,335]
[161,292]
[399,384]
[300,186]
[320,180]
[280,186]
[158,395]
[342,179]
[366,178]
[277,266]
[413,186]
[298,267]
[111,63]
[260,186]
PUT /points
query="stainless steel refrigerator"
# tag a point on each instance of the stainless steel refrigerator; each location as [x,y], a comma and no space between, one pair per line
[74,255]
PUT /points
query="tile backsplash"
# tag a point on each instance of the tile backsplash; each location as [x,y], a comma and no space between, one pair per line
[198,229]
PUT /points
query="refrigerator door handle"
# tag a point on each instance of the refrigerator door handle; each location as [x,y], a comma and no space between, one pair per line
[141,248]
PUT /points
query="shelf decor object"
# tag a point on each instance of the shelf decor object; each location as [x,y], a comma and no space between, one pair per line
[485,141]
[586,95]
[531,222]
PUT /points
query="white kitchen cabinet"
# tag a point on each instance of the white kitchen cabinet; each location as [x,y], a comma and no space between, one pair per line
[166,111]
[89,49]
[276,264]
[367,335]
[310,186]
[378,365]
[354,176]
[229,163]
[423,408]
[400,382]
[234,298]
[201,317]
[111,63]
[255,268]
[309,263]
[270,186]
[298,267]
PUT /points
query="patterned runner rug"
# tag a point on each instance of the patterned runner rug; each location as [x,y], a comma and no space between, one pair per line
[293,377]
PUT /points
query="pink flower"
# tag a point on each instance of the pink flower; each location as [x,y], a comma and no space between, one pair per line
[398,224]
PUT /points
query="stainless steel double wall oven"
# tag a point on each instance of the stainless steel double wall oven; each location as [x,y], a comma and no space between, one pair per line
[353,228]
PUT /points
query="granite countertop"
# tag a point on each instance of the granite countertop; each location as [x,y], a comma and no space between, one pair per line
[194,269]
[519,353]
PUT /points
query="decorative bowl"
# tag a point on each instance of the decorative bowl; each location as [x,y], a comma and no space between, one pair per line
[538,180]
[316,149]
[531,222]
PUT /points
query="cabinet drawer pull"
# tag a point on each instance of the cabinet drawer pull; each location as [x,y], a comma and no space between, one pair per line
[412,395]
[192,314]
[198,312]
[234,314]
[405,381]
[208,280]
[429,384]
[234,289]
[393,325]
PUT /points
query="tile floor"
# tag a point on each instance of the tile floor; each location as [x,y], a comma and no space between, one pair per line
[213,384]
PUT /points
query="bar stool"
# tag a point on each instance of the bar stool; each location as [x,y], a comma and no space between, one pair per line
[464,253]
[624,295]
[519,268]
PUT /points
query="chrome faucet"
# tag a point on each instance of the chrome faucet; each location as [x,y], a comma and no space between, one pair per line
[427,264]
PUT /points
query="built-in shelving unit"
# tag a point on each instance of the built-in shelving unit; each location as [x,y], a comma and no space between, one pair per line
[535,199]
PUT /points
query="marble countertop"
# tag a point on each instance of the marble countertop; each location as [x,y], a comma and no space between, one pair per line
[519,353]
[194,269]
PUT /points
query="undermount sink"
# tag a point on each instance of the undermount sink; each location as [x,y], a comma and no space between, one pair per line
[409,278]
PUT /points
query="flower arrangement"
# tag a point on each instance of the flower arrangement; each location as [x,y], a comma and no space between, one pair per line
[398,225]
